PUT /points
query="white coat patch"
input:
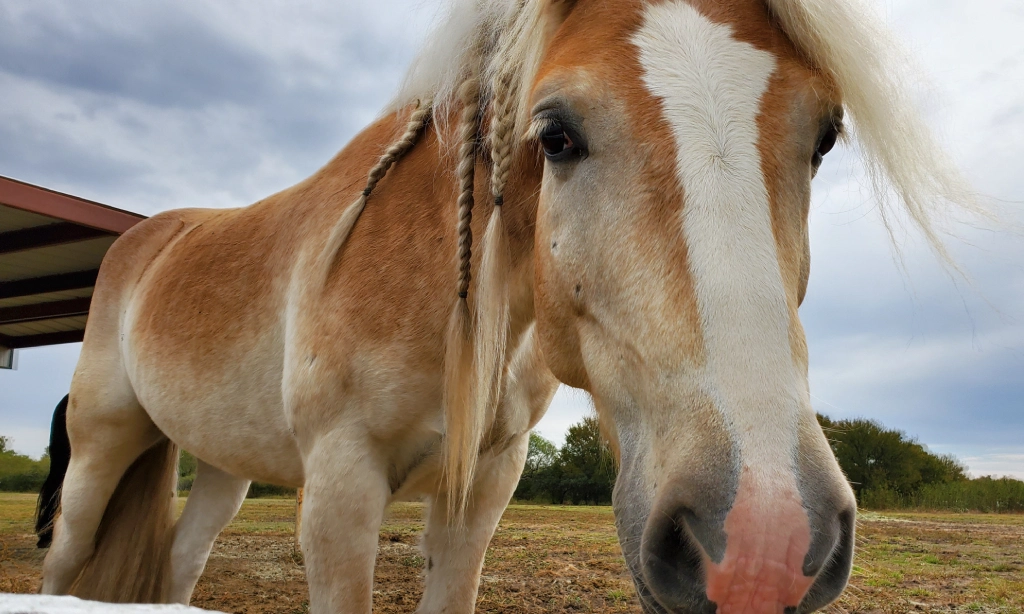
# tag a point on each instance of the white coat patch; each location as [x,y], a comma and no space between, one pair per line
[710,87]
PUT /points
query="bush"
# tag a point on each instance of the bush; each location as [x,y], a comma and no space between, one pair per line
[185,483]
[258,490]
[187,465]
[986,494]
[881,498]
[20,473]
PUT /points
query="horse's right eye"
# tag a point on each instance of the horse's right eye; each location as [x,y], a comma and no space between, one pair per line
[559,143]
[555,141]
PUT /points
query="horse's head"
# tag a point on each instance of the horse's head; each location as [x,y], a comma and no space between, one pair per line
[671,258]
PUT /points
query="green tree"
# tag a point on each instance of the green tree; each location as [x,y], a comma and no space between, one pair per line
[587,466]
[540,471]
[540,455]
[885,463]
[941,468]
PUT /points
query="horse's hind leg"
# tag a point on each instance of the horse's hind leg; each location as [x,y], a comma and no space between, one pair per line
[212,503]
[108,432]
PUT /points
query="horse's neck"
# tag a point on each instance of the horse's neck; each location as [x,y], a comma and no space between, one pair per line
[417,200]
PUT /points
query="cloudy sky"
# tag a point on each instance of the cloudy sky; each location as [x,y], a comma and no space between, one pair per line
[156,105]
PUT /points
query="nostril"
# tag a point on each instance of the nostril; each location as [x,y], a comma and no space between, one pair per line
[673,562]
[710,536]
[823,543]
[833,568]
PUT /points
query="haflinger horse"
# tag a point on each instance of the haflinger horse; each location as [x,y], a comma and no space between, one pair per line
[644,168]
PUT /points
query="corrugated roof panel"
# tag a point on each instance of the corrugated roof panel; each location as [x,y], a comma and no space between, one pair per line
[54,259]
[16,219]
[46,326]
[50,249]
[45,298]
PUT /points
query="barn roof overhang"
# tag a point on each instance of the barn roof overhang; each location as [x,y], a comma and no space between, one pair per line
[51,246]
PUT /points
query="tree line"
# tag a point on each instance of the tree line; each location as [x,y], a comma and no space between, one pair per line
[21,473]
[187,466]
[887,469]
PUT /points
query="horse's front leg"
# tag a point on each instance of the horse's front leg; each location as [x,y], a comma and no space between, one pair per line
[455,551]
[345,497]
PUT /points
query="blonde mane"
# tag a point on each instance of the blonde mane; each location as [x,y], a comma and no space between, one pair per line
[849,42]
[493,49]
[499,44]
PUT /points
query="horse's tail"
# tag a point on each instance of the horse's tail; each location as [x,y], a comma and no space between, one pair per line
[49,494]
[131,563]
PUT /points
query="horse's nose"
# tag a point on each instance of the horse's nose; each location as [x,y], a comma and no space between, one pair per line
[764,556]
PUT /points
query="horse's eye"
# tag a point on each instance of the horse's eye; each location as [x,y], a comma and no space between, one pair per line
[557,143]
[825,144]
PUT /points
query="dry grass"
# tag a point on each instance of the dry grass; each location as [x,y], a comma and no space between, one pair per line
[566,559]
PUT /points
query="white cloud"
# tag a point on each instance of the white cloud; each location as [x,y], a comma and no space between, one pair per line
[998,465]
[568,407]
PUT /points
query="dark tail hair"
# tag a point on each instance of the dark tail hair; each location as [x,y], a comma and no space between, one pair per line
[49,494]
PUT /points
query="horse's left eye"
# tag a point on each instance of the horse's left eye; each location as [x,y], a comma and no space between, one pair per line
[825,144]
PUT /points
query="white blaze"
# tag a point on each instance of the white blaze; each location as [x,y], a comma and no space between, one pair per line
[710,87]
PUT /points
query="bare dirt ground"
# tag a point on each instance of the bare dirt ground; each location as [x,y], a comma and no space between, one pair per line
[566,559]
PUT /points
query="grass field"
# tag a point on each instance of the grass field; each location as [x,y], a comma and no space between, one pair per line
[566,559]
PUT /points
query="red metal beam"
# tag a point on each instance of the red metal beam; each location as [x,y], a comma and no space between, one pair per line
[42,201]
[45,236]
[45,311]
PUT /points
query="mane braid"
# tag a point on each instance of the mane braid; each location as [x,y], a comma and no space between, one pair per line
[462,426]
[466,171]
[492,291]
[418,121]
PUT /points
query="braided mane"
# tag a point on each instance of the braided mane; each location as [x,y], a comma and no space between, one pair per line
[484,56]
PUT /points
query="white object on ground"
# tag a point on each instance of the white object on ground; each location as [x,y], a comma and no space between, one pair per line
[50,604]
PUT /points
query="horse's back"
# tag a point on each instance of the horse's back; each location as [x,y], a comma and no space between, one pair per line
[190,303]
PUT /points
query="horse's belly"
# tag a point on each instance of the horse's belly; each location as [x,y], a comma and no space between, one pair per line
[230,416]
[202,342]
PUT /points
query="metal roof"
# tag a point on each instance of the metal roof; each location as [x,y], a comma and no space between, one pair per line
[51,246]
